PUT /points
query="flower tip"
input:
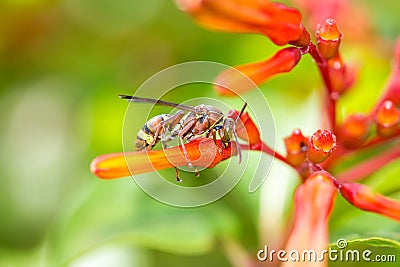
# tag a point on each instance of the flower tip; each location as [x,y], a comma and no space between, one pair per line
[321,145]
[110,166]
[328,30]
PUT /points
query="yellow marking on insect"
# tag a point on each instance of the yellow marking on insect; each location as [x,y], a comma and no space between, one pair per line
[148,138]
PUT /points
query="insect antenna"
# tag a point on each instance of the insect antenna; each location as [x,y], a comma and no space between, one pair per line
[235,134]
[241,111]
[157,102]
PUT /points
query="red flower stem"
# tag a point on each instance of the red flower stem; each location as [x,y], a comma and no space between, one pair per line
[369,166]
[261,146]
[331,96]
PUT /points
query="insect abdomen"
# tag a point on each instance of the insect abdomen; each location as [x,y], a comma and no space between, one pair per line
[145,137]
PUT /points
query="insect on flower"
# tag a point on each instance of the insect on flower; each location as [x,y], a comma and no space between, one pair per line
[189,123]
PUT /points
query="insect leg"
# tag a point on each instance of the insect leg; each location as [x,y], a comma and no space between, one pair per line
[213,132]
[185,152]
[238,147]
[177,175]
[186,130]
[174,119]
[196,171]
[156,134]
[170,123]
[183,134]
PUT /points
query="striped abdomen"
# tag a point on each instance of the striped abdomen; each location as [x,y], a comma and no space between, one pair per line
[146,135]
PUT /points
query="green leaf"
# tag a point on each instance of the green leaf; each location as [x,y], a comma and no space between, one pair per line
[373,251]
[121,215]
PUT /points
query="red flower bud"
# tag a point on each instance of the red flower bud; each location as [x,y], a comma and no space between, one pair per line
[202,153]
[355,130]
[296,147]
[328,38]
[245,128]
[321,144]
[361,196]
[230,81]
[387,119]
[275,20]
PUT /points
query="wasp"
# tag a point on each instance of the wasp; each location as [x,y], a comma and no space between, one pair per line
[188,123]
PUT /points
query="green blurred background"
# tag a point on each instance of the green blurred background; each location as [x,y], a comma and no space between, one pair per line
[62,65]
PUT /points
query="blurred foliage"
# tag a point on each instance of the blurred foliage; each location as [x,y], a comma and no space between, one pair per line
[62,65]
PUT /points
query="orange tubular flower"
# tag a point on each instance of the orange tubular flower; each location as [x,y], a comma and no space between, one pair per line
[313,204]
[361,196]
[230,81]
[275,20]
[202,153]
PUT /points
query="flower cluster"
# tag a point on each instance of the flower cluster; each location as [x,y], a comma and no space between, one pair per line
[313,157]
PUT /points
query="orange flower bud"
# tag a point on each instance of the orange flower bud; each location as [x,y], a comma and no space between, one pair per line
[341,76]
[230,81]
[202,152]
[321,144]
[387,119]
[246,129]
[328,38]
[355,130]
[296,147]
[313,205]
[362,197]
[275,20]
